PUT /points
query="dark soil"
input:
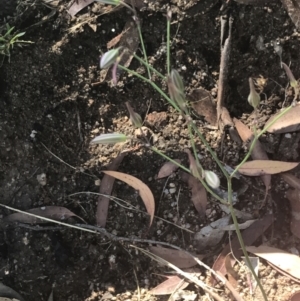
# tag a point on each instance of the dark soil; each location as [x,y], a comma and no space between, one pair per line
[50,109]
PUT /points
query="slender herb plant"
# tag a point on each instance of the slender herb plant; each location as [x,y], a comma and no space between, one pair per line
[177,99]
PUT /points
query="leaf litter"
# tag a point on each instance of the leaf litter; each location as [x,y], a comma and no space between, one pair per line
[169,286]
[199,194]
[250,235]
[293,195]
[211,234]
[289,122]
[177,257]
[285,261]
[262,167]
[106,187]
[167,169]
[144,191]
[258,152]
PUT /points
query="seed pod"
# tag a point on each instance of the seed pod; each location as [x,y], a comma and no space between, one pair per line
[211,179]
[109,138]
[253,98]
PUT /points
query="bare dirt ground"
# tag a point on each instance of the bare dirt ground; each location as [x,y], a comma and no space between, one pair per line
[48,88]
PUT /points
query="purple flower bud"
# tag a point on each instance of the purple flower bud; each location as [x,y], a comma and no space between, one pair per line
[109,138]
[135,118]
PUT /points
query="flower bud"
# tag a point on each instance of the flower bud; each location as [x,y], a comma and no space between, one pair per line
[211,179]
[135,118]
[253,98]
[111,2]
[290,75]
[109,138]
[109,58]
[176,95]
[169,15]
[177,80]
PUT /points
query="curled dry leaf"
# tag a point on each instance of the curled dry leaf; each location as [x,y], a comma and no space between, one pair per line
[289,122]
[169,286]
[295,296]
[293,195]
[249,235]
[167,169]
[258,152]
[202,103]
[177,257]
[242,226]
[106,187]
[144,191]
[291,180]
[7,292]
[77,6]
[199,194]
[210,236]
[231,273]
[262,167]
[51,212]
[285,261]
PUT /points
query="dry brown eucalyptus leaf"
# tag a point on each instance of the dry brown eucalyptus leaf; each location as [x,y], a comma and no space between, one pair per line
[290,263]
[258,152]
[177,257]
[262,167]
[106,187]
[167,169]
[144,191]
[199,194]
[169,286]
[289,122]
[202,103]
[293,195]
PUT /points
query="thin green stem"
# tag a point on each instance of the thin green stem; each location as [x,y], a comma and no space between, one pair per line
[241,241]
[144,49]
[168,45]
[194,147]
[150,67]
[162,93]
[213,154]
[256,139]
[188,171]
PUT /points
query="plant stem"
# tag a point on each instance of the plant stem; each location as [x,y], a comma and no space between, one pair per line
[241,241]
[168,45]
[257,137]
[143,48]
[150,67]
[162,93]
[213,154]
